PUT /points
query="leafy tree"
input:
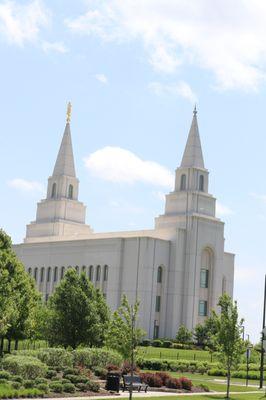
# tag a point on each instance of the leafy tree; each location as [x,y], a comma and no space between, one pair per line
[123,334]
[74,313]
[18,296]
[183,335]
[201,334]
[228,336]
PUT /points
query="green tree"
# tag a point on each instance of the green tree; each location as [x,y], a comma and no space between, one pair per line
[74,313]
[201,335]
[183,335]
[228,337]
[123,334]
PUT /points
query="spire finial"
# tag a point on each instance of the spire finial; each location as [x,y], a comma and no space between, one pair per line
[68,113]
[195,110]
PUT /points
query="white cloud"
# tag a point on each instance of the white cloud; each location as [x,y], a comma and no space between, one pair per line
[178,89]
[101,78]
[27,186]
[58,47]
[119,165]
[227,41]
[222,210]
[21,23]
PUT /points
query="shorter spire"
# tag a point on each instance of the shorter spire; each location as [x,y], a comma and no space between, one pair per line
[192,156]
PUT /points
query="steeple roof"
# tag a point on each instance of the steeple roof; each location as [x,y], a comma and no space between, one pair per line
[192,156]
[65,159]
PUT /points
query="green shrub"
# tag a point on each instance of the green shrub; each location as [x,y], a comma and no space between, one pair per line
[3,381]
[100,372]
[69,388]
[56,387]
[217,372]
[17,378]
[15,385]
[65,381]
[72,378]
[157,343]
[92,357]
[83,387]
[40,380]
[167,343]
[51,373]
[55,357]
[204,387]
[26,366]
[5,375]
[146,342]
[43,387]
[93,386]
[28,384]
[71,371]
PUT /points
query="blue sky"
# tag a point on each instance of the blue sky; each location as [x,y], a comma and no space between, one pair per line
[133,70]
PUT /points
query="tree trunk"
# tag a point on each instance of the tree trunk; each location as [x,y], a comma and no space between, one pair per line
[2,347]
[228,381]
[9,346]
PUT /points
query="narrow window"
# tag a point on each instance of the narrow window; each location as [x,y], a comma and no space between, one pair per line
[36,274]
[224,285]
[158,304]
[55,274]
[98,273]
[53,190]
[156,331]
[159,275]
[201,183]
[77,269]
[84,269]
[42,274]
[183,182]
[62,272]
[204,278]
[202,308]
[91,273]
[105,275]
[70,192]
[29,271]
[49,274]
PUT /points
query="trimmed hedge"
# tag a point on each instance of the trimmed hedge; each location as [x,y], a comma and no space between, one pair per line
[26,366]
[96,357]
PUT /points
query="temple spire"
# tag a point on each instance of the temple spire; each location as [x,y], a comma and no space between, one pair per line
[65,159]
[192,156]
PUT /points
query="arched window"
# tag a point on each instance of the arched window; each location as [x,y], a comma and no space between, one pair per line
[55,274]
[201,183]
[42,274]
[91,273]
[49,274]
[70,192]
[98,273]
[62,272]
[159,275]
[77,269]
[29,271]
[84,269]
[53,190]
[183,182]
[105,274]
[36,274]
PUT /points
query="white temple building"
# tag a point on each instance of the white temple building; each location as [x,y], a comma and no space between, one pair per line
[177,270]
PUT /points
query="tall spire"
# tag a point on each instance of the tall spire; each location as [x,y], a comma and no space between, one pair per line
[192,156]
[65,159]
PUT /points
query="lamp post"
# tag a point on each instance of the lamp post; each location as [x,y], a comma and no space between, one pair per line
[263,337]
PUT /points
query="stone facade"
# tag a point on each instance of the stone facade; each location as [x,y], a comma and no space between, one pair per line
[178,270]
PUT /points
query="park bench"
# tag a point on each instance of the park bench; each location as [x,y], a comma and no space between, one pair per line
[134,382]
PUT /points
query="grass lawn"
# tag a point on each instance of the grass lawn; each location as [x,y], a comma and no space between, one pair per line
[175,354]
[243,396]
[6,391]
